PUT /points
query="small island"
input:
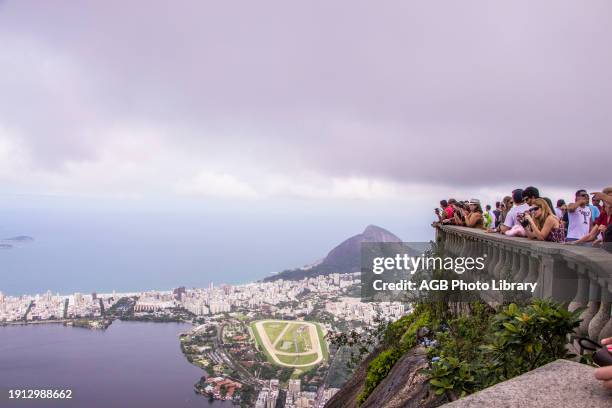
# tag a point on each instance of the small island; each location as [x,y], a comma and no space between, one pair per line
[10,243]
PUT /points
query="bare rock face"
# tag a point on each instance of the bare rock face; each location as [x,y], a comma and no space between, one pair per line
[347,396]
[405,387]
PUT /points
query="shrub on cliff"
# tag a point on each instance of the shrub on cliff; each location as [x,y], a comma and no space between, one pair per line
[472,351]
[399,336]
[378,370]
[482,350]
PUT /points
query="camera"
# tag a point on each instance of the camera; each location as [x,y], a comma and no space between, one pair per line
[521,219]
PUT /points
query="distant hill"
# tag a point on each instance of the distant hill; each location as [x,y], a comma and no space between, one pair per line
[9,243]
[20,238]
[344,258]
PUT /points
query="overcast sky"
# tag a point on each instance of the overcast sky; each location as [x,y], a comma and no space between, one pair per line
[311,100]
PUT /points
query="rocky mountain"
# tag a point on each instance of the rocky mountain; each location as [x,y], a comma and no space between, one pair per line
[404,387]
[344,258]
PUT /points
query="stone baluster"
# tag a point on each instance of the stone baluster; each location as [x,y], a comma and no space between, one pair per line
[463,243]
[582,293]
[497,272]
[448,243]
[591,310]
[465,247]
[483,250]
[453,246]
[473,242]
[490,262]
[441,237]
[458,244]
[507,271]
[533,272]
[607,329]
[516,264]
[471,247]
[603,314]
[493,259]
[454,243]
[524,266]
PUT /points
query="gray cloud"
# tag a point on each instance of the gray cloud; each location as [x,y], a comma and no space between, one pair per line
[465,93]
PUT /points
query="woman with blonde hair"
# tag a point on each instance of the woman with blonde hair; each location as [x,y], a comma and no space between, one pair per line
[543,224]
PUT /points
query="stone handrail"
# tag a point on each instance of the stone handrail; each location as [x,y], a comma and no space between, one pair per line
[561,383]
[578,275]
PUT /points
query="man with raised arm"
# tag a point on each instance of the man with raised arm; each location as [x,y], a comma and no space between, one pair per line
[579,216]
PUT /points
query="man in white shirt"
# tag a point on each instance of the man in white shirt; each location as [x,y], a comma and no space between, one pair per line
[579,216]
[519,207]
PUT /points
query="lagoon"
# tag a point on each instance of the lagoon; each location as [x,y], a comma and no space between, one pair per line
[131,364]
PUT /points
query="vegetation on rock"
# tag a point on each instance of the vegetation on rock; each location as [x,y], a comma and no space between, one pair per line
[483,349]
[471,350]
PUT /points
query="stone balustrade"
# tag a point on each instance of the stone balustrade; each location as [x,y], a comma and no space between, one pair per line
[577,275]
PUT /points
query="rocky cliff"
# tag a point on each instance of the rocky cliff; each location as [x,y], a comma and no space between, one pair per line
[404,387]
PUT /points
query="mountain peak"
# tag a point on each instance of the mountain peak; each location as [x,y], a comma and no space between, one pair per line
[374,233]
[344,258]
[371,228]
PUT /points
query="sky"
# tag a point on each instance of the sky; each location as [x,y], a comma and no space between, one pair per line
[316,100]
[318,107]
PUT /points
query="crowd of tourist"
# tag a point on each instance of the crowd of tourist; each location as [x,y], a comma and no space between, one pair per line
[585,221]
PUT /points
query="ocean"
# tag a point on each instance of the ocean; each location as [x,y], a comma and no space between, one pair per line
[86,250]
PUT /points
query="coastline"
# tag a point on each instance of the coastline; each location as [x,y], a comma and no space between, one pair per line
[27,322]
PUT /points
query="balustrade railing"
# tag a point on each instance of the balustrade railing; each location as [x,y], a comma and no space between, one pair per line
[579,276]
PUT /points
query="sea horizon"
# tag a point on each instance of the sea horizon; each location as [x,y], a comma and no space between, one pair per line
[129,252]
